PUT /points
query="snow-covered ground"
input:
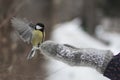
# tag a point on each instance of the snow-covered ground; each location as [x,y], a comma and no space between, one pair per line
[71,33]
[112,37]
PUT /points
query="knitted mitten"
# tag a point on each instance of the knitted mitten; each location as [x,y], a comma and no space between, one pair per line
[94,58]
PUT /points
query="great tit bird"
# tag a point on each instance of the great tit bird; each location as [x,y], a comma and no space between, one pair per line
[29,33]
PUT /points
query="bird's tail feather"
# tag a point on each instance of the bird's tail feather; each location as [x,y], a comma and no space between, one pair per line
[31,53]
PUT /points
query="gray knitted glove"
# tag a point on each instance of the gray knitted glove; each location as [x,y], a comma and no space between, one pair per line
[94,58]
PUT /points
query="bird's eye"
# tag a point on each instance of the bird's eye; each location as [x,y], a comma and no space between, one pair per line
[38,27]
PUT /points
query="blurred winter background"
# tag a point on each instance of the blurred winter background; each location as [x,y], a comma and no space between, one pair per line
[81,23]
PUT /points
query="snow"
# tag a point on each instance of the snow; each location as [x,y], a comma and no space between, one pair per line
[71,33]
[61,71]
[112,37]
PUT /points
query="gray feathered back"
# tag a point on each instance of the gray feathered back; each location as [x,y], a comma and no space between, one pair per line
[23,28]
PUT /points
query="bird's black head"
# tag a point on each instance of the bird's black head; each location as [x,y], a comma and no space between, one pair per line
[39,26]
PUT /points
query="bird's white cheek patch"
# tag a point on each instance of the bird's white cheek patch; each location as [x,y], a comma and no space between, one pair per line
[38,27]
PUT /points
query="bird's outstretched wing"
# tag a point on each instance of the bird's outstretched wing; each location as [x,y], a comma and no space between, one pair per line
[23,28]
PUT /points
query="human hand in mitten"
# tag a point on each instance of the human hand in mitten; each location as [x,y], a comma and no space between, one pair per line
[94,58]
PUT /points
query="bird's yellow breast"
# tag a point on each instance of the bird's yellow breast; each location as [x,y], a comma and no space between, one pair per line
[37,37]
